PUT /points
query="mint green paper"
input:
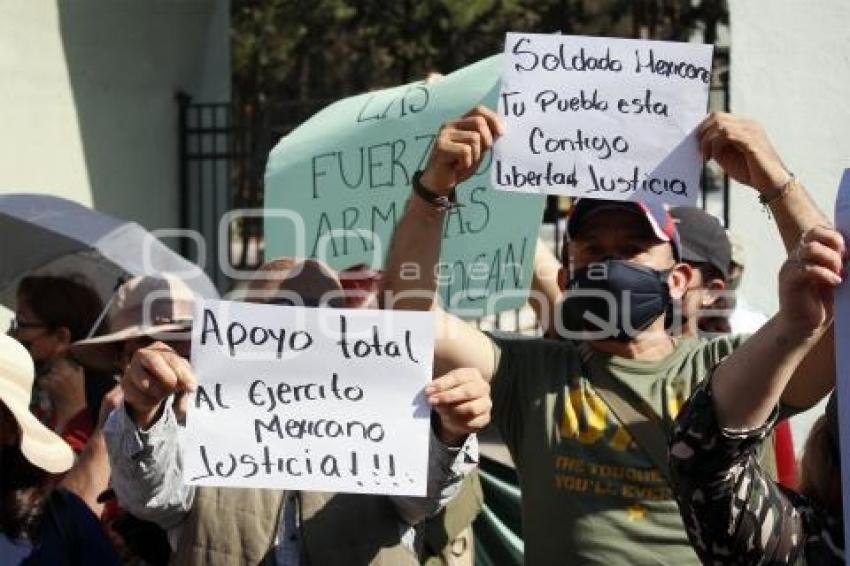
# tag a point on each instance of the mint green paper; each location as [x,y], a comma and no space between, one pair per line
[347,170]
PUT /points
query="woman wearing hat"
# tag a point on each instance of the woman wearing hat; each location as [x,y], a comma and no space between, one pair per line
[40,523]
[733,512]
[51,313]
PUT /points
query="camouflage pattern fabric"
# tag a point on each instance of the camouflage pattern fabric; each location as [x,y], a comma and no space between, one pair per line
[733,512]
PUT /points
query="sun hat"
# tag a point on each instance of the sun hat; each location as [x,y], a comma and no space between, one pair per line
[145,306]
[41,446]
[653,212]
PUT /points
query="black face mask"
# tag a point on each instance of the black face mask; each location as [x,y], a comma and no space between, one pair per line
[614,298]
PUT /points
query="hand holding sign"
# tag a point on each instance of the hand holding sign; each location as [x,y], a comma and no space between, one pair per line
[741,147]
[459,148]
[153,374]
[462,400]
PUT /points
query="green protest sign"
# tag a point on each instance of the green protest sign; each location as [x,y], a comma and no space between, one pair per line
[337,185]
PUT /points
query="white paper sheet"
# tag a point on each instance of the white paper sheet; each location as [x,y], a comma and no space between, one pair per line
[602,117]
[309,398]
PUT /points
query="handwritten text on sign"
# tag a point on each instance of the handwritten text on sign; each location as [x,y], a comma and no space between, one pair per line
[310,399]
[600,117]
[337,186]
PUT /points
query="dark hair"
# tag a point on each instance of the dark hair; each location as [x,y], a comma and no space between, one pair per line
[62,301]
[70,302]
[708,271]
[23,490]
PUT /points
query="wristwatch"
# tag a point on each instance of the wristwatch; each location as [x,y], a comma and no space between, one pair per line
[442,202]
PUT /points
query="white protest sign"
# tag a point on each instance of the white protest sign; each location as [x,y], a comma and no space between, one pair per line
[842,352]
[602,117]
[309,398]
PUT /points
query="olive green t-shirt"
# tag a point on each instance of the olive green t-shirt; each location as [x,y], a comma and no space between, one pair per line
[589,494]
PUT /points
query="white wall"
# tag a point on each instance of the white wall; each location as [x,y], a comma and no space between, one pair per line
[791,71]
[88,97]
[40,144]
[790,65]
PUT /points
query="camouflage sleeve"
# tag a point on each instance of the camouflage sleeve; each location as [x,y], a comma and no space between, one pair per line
[733,512]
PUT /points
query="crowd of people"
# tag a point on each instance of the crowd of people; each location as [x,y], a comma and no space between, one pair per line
[637,423]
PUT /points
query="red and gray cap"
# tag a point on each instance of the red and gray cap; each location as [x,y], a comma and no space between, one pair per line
[656,215]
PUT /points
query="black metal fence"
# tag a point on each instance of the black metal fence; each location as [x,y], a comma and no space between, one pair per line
[222,156]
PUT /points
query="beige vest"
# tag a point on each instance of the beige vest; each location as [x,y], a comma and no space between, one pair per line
[239,526]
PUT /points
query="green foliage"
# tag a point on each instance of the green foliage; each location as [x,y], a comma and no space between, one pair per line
[302,50]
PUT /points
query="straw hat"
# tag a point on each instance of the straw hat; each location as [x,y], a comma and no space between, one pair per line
[41,446]
[143,306]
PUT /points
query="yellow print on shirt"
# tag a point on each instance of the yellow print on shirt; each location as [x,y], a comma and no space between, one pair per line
[676,396]
[612,487]
[636,484]
[586,418]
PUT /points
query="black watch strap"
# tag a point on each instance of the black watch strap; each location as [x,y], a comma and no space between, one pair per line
[442,202]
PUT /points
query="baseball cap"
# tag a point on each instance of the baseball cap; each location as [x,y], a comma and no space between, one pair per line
[656,215]
[704,240]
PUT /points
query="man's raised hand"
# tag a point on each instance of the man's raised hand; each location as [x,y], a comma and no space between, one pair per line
[459,148]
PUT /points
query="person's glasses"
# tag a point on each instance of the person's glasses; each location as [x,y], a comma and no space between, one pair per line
[16,325]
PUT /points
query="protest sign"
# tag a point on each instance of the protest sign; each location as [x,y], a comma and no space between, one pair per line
[337,186]
[309,398]
[602,117]
[842,352]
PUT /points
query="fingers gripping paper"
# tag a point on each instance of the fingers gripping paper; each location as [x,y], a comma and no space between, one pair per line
[309,399]
[601,117]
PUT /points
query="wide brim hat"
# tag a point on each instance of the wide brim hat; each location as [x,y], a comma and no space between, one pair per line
[42,447]
[160,308]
